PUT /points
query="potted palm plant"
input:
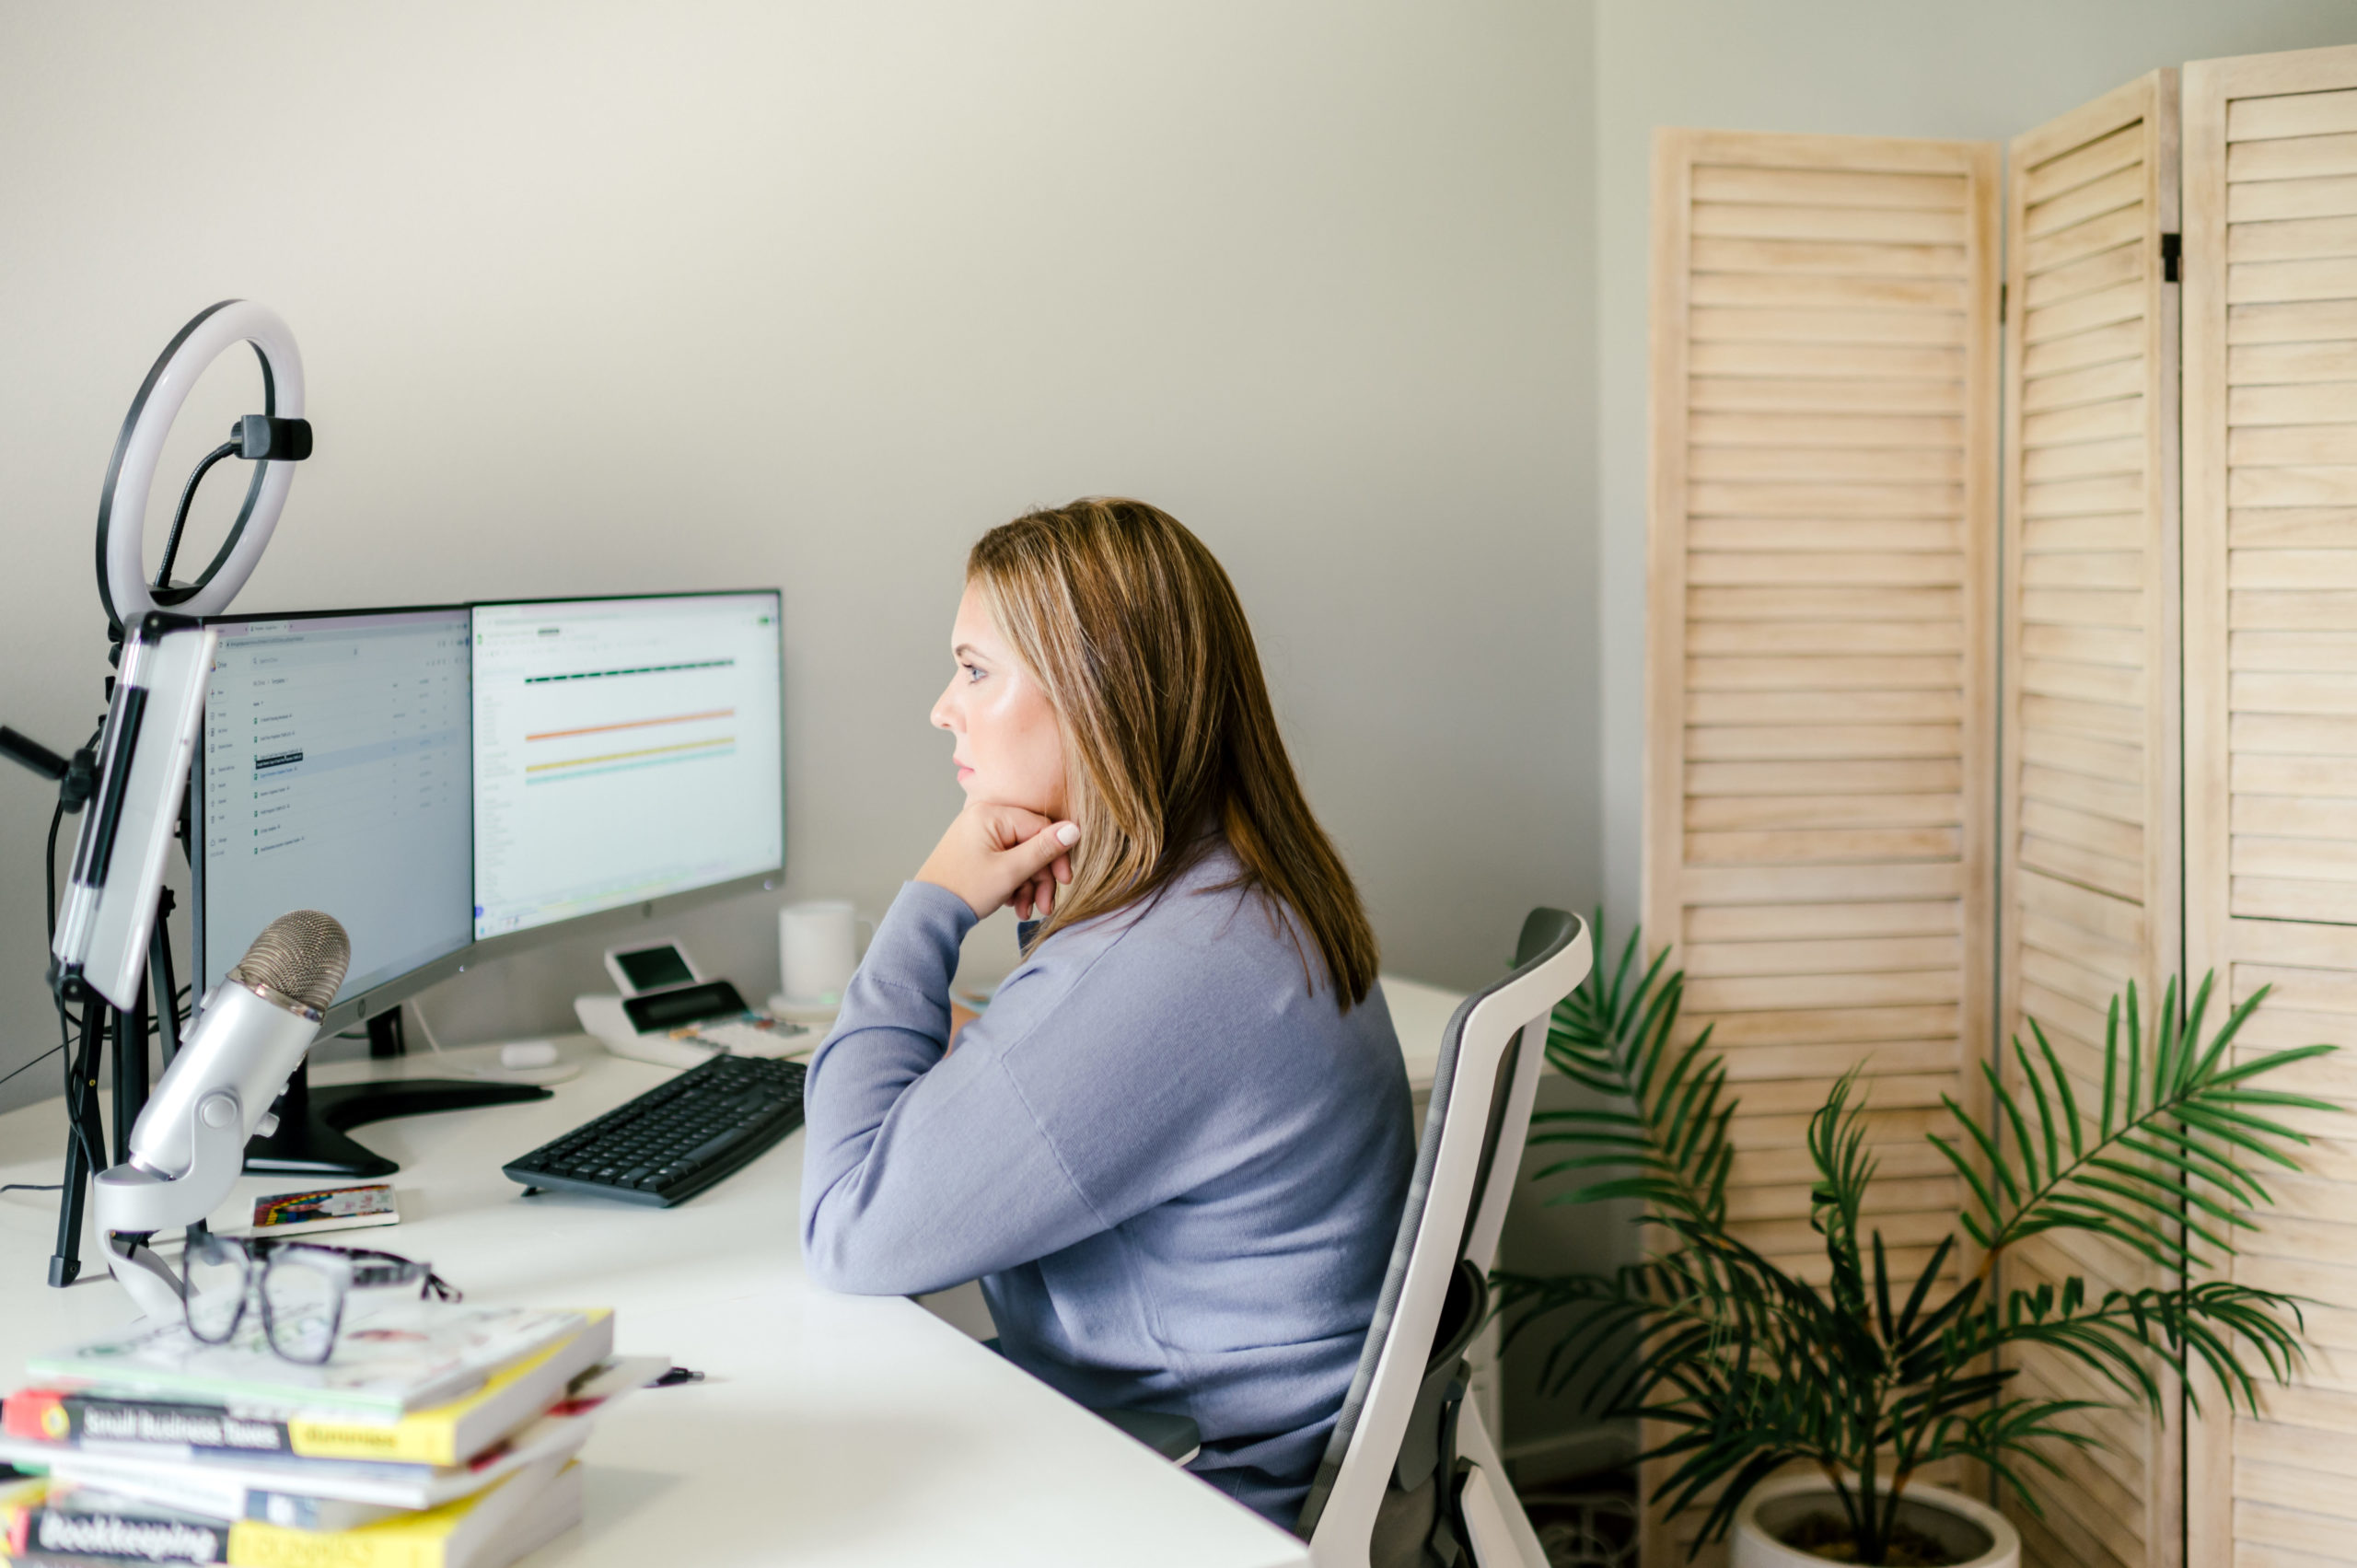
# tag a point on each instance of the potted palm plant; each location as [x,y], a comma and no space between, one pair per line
[1861,1382]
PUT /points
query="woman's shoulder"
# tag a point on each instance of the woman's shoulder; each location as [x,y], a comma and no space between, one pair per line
[1209,912]
[1207,941]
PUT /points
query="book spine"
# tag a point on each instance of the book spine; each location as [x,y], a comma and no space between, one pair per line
[267,1546]
[320,1514]
[176,1488]
[48,1532]
[409,1441]
[47,1415]
[72,1419]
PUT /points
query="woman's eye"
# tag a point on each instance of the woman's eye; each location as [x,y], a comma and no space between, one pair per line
[973,674]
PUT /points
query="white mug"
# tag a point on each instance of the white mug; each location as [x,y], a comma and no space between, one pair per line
[817,949]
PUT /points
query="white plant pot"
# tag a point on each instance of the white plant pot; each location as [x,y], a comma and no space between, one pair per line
[1946,1516]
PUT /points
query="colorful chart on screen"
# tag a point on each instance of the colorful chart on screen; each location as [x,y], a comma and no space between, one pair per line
[623,749]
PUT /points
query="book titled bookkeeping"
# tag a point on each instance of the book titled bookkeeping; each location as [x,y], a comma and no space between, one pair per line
[484,1529]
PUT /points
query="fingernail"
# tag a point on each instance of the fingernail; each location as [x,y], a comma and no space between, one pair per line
[1068,834]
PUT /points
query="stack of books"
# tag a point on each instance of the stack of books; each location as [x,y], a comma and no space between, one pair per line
[438,1435]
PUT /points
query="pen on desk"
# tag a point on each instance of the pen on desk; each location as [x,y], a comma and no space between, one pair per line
[676,1376]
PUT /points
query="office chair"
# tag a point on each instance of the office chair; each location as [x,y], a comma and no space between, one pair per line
[1411,1479]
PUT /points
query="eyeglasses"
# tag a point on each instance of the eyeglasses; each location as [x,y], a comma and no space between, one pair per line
[302,1287]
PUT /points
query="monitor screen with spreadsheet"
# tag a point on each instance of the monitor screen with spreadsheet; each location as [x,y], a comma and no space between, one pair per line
[624,750]
[334,774]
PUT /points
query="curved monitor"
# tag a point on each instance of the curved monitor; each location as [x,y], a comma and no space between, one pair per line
[456,781]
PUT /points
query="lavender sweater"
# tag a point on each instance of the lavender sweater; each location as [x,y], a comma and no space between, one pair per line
[1175,1170]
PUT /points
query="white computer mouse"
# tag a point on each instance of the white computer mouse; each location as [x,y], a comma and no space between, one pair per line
[527,1054]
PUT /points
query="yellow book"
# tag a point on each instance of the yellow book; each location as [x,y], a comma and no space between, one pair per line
[455,1432]
[531,1505]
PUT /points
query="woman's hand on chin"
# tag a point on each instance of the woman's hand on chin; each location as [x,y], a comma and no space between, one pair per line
[996,856]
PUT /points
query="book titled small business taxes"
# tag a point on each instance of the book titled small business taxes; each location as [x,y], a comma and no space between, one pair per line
[252,1486]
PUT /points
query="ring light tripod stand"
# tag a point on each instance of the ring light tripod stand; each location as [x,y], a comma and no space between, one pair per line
[114,973]
[113,1007]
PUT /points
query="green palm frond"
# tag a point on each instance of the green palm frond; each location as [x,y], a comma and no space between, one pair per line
[2009,1431]
[1664,1123]
[2160,1163]
[1748,1368]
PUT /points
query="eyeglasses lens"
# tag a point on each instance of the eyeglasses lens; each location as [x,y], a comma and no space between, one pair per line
[216,1275]
[302,1297]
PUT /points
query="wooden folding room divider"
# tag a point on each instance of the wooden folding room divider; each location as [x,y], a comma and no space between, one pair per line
[1863,848]
[2270,658]
[1820,671]
[2088,860]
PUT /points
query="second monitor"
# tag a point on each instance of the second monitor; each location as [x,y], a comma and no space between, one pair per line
[624,750]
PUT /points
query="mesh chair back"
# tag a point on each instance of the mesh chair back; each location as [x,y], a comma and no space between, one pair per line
[1435,1290]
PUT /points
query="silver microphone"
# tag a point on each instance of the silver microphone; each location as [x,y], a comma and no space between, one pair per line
[248,1037]
[189,1144]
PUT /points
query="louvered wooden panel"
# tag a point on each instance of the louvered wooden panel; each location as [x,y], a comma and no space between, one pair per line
[2271,607]
[2088,859]
[1821,748]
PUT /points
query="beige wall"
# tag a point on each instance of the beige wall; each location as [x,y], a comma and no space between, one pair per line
[603,297]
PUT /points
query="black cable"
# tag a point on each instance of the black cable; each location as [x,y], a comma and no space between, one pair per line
[34,1187]
[65,1037]
[49,867]
[179,518]
[35,1061]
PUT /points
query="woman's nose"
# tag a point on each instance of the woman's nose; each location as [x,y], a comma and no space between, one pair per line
[942,714]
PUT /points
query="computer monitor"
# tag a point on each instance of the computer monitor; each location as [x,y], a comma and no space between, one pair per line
[625,750]
[453,783]
[333,773]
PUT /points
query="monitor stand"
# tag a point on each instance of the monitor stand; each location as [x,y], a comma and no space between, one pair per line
[313,1122]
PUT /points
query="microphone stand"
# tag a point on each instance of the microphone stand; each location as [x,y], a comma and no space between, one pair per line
[102,1023]
[126,1028]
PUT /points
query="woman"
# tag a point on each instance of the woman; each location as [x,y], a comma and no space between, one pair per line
[1175,1147]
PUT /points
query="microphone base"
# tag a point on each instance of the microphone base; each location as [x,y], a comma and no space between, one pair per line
[311,1140]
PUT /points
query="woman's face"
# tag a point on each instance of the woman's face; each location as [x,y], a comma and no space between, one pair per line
[1010,748]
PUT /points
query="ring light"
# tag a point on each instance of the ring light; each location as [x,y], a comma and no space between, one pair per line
[122,508]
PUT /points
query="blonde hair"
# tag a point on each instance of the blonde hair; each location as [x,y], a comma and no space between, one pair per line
[1169,741]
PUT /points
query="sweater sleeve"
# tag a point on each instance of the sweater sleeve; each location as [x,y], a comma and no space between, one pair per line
[923,1169]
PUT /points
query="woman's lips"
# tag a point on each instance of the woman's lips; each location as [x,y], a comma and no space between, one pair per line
[964,773]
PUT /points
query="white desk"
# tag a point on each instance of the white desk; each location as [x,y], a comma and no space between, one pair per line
[833,1429]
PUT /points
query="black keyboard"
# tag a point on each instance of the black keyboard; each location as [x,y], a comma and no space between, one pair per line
[676,1139]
